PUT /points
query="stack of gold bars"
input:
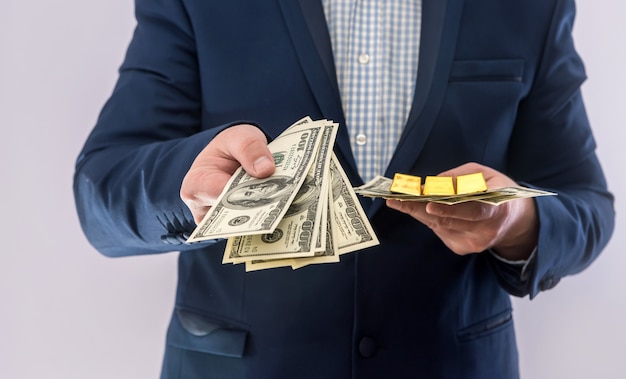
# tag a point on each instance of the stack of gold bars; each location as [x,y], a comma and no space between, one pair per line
[307,212]
[442,189]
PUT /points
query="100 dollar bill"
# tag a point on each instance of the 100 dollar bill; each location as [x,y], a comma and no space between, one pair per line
[354,231]
[248,205]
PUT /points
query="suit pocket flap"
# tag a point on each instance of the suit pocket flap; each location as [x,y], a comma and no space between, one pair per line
[483,328]
[195,332]
[487,70]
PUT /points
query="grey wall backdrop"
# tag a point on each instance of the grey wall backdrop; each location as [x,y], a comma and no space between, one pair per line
[67,312]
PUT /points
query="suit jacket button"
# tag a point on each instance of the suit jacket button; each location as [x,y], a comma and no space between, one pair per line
[367,347]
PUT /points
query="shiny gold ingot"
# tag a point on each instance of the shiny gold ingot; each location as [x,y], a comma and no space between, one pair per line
[438,185]
[470,183]
[406,184]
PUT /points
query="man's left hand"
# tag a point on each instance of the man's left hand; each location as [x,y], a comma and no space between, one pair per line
[510,229]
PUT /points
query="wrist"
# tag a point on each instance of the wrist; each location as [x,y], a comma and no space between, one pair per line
[522,234]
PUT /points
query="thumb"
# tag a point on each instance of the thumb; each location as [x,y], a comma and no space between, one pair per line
[248,145]
[262,167]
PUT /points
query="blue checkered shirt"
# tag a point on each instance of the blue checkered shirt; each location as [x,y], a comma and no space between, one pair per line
[376,51]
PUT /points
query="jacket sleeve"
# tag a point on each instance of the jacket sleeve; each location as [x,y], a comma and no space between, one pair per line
[553,148]
[128,175]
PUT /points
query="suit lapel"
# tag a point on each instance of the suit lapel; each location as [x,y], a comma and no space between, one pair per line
[440,25]
[308,30]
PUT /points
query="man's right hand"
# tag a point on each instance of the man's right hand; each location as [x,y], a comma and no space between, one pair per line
[240,145]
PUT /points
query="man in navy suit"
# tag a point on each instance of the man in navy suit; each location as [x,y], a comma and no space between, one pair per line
[493,87]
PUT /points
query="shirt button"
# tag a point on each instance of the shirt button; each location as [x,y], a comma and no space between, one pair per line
[364,58]
[361,139]
[367,347]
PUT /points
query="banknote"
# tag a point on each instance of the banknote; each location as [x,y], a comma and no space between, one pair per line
[248,205]
[353,229]
[302,230]
[328,255]
[502,195]
[265,264]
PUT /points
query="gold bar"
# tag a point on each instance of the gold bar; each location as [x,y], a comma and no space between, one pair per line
[406,184]
[470,183]
[438,185]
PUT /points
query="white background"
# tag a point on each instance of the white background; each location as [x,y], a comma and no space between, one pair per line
[68,312]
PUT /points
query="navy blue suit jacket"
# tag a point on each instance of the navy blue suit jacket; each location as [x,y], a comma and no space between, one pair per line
[498,83]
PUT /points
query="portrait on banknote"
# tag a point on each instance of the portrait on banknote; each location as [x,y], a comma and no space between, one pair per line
[256,193]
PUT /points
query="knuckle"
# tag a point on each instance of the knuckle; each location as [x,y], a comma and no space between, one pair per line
[186,195]
[481,212]
[474,246]
[445,222]
[438,223]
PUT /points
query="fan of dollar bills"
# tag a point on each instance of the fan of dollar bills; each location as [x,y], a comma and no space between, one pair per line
[305,213]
